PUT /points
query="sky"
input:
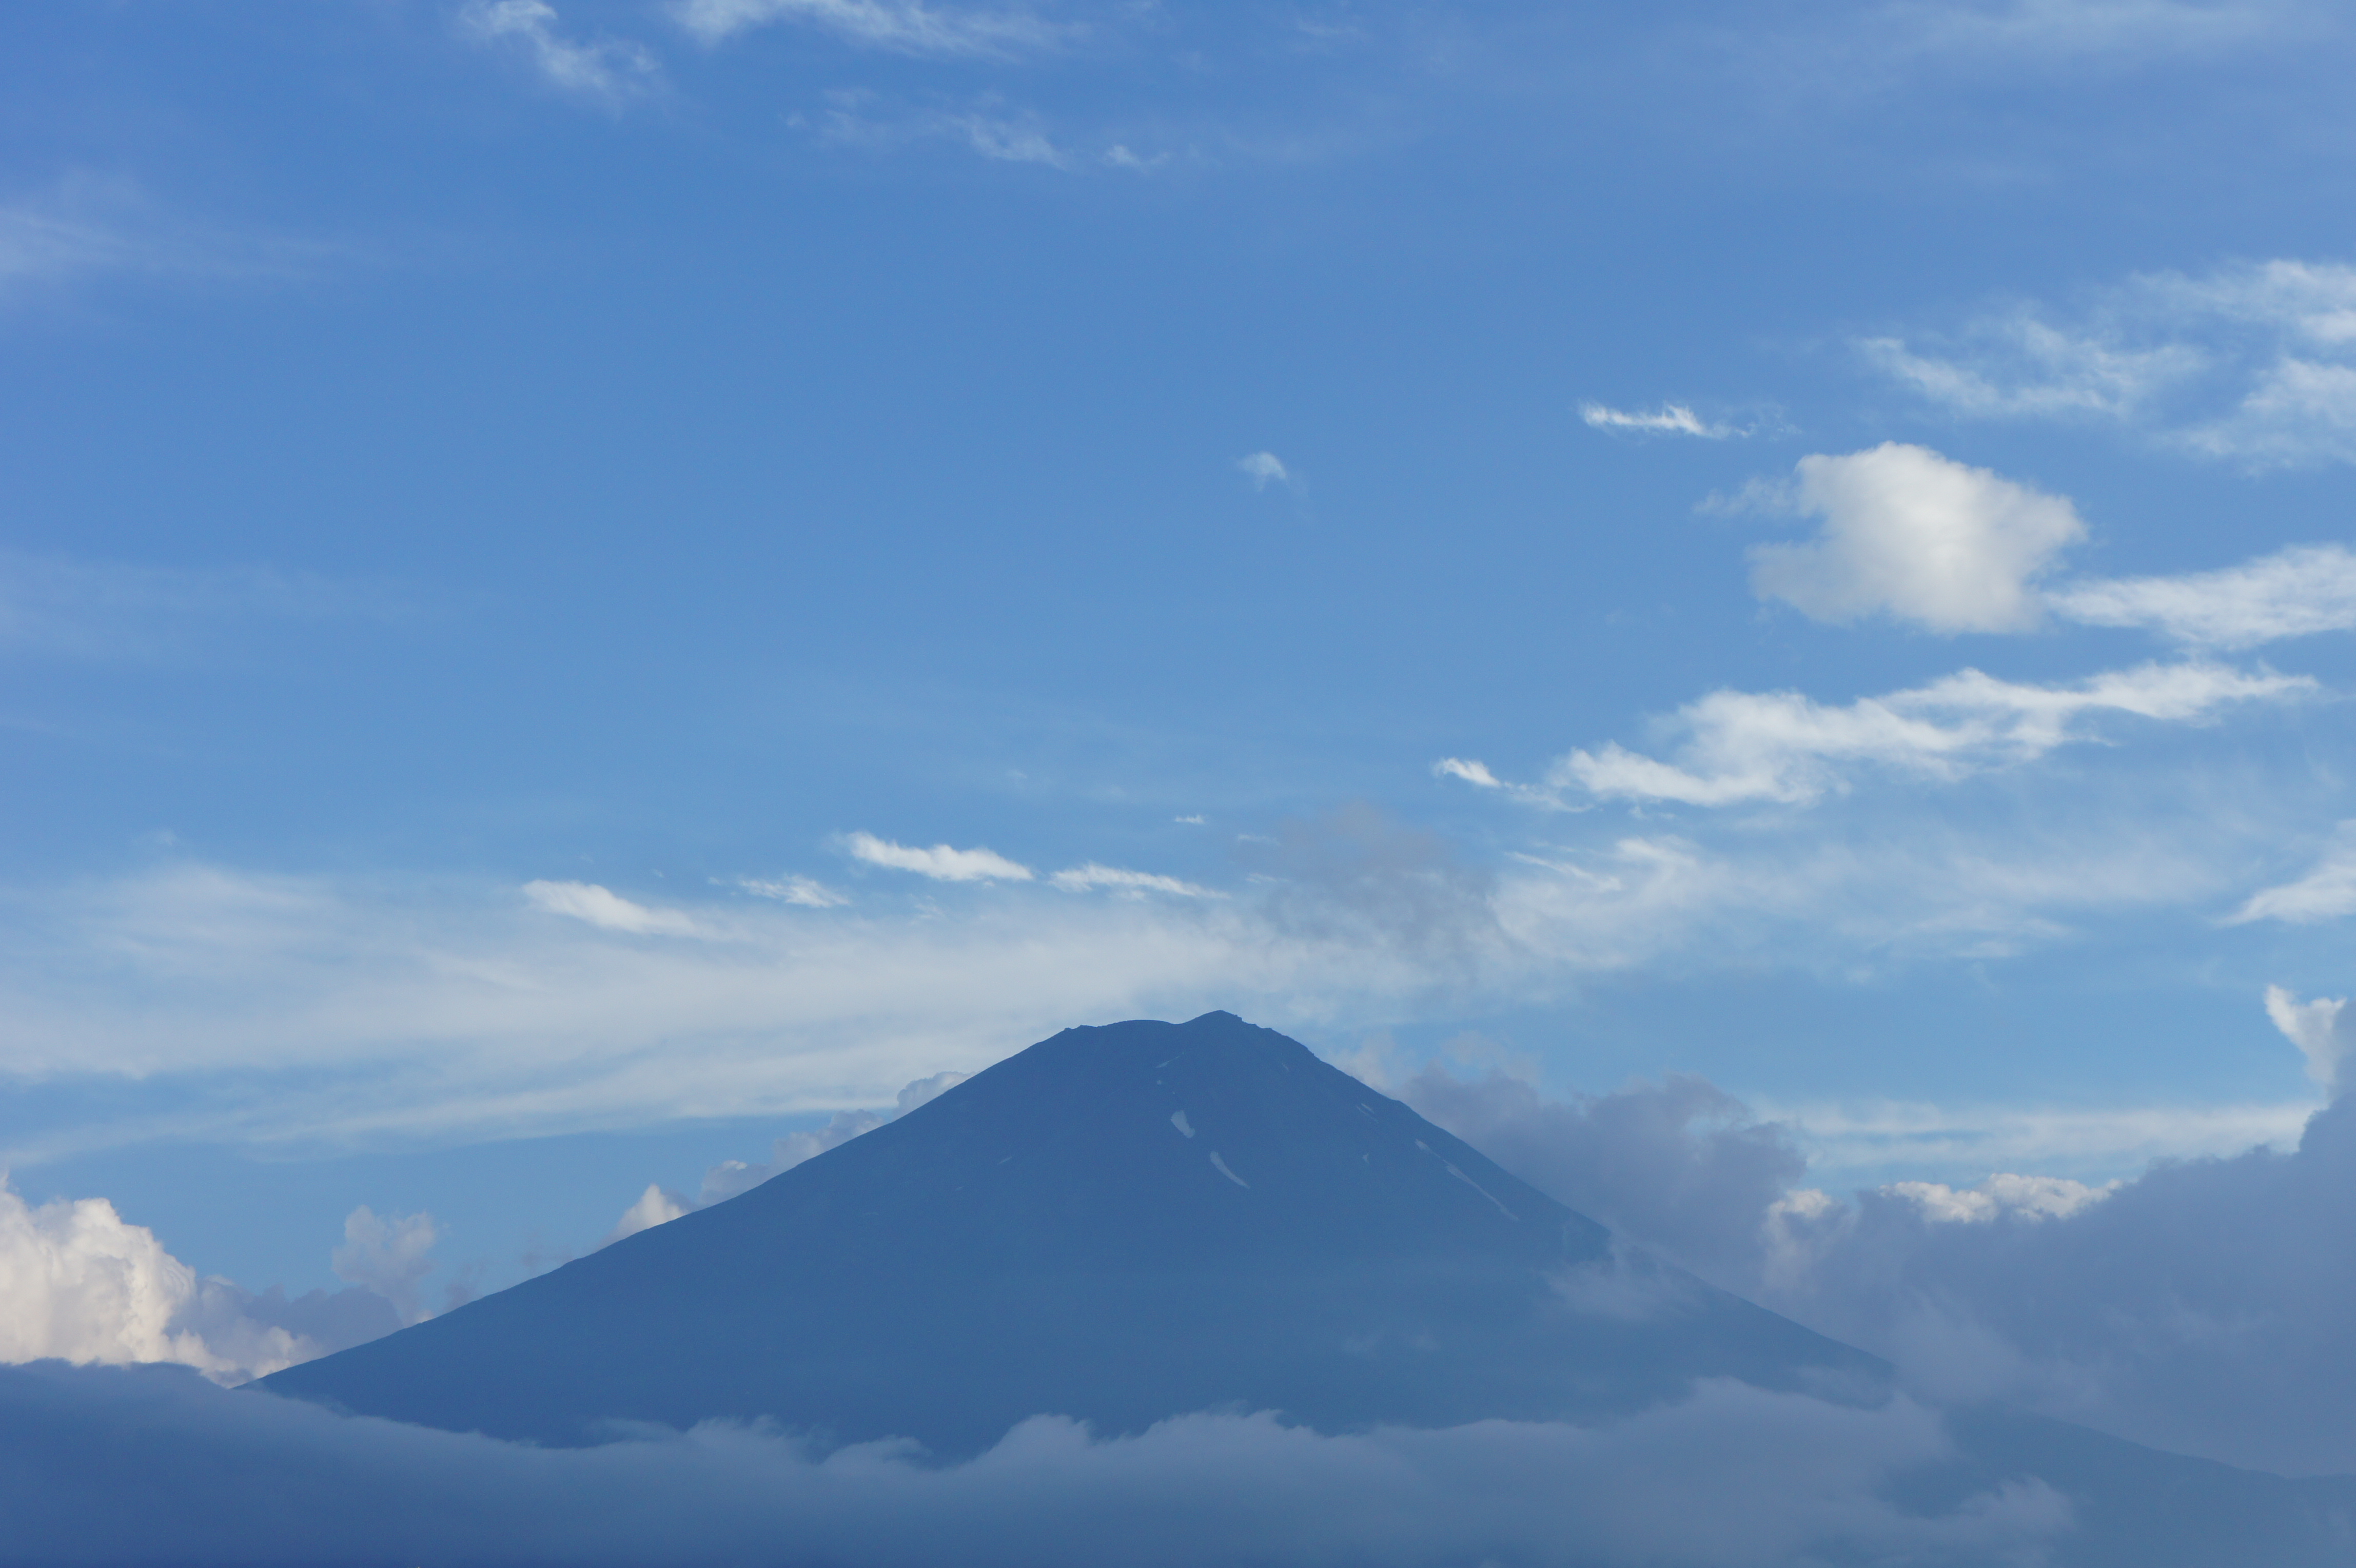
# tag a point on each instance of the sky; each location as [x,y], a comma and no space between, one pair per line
[585,589]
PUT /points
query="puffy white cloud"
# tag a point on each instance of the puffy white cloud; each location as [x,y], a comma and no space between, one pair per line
[1780,746]
[80,1283]
[610,68]
[1912,535]
[2254,362]
[1730,1476]
[905,27]
[2292,593]
[1670,419]
[655,1206]
[2315,1029]
[1264,468]
[606,909]
[941,863]
[1085,878]
[2326,891]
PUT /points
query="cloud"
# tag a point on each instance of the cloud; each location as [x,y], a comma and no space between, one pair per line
[1671,419]
[655,1206]
[2254,363]
[79,1283]
[941,862]
[1918,537]
[729,1177]
[2199,1307]
[902,27]
[2292,593]
[1085,878]
[607,910]
[390,1257]
[1471,772]
[1730,1477]
[89,225]
[1740,747]
[1264,468]
[2315,1028]
[2324,893]
[613,70]
[801,890]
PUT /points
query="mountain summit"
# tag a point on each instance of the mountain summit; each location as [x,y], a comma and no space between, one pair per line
[1119,1224]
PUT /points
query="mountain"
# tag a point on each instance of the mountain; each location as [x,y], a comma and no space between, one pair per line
[1119,1224]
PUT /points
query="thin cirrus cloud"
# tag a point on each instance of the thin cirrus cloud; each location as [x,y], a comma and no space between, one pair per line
[611,70]
[118,611]
[2297,592]
[2253,363]
[608,911]
[1669,419]
[941,863]
[808,891]
[2325,893]
[1735,747]
[902,27]
[1092,877]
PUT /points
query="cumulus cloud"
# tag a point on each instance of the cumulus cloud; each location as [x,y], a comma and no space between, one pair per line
[1918,537]
[941,863]
[2292,593]
[607,910]
[2199,1307]
[610,68]
[655,1206]
[1737,747]
[902,27]
[729,1177]
[80,1283]
[2326,891]
[1092,877]
[2255,362]
[1730,1477]
[1669,419]
[388,1256]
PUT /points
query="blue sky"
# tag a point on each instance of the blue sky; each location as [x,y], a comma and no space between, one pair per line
[544,542]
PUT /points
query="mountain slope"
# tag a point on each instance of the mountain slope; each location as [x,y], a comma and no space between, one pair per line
[1119,1224]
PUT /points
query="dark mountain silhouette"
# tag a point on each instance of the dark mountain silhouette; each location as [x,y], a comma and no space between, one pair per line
[1119,1224]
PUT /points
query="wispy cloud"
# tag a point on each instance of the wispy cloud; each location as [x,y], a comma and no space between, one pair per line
[2325,893]
[2315,1029]
[904,27]
[610,69]
[1263,469]
[1092,877]
[89,226]
[2292,593]
[608,911]
[1740,747]
[1669,419]
[805,891]
[2253,363]
[941,863]
[987,127]
[118,610]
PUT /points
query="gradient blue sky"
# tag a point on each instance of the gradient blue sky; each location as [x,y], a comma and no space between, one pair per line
[542,540]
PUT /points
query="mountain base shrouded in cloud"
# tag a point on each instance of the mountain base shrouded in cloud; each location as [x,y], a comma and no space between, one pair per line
[1150,1294]
[1119,1225]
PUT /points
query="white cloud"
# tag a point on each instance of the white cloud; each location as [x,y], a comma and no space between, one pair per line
[1085,878]
[610,68]
[2324,893]
[115,612]
[1670,419]
[729,1177]
[79,1282]
[655,1206]
[941,863]
[1726,1476]
[607,910]
[1471,771]
[388,1256]
[1740,747]
[1909,533]
[1264,469]
[802,890]
[2255,362]
[2292,593]
[901,25]
[2315,1028]
[2083,29]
